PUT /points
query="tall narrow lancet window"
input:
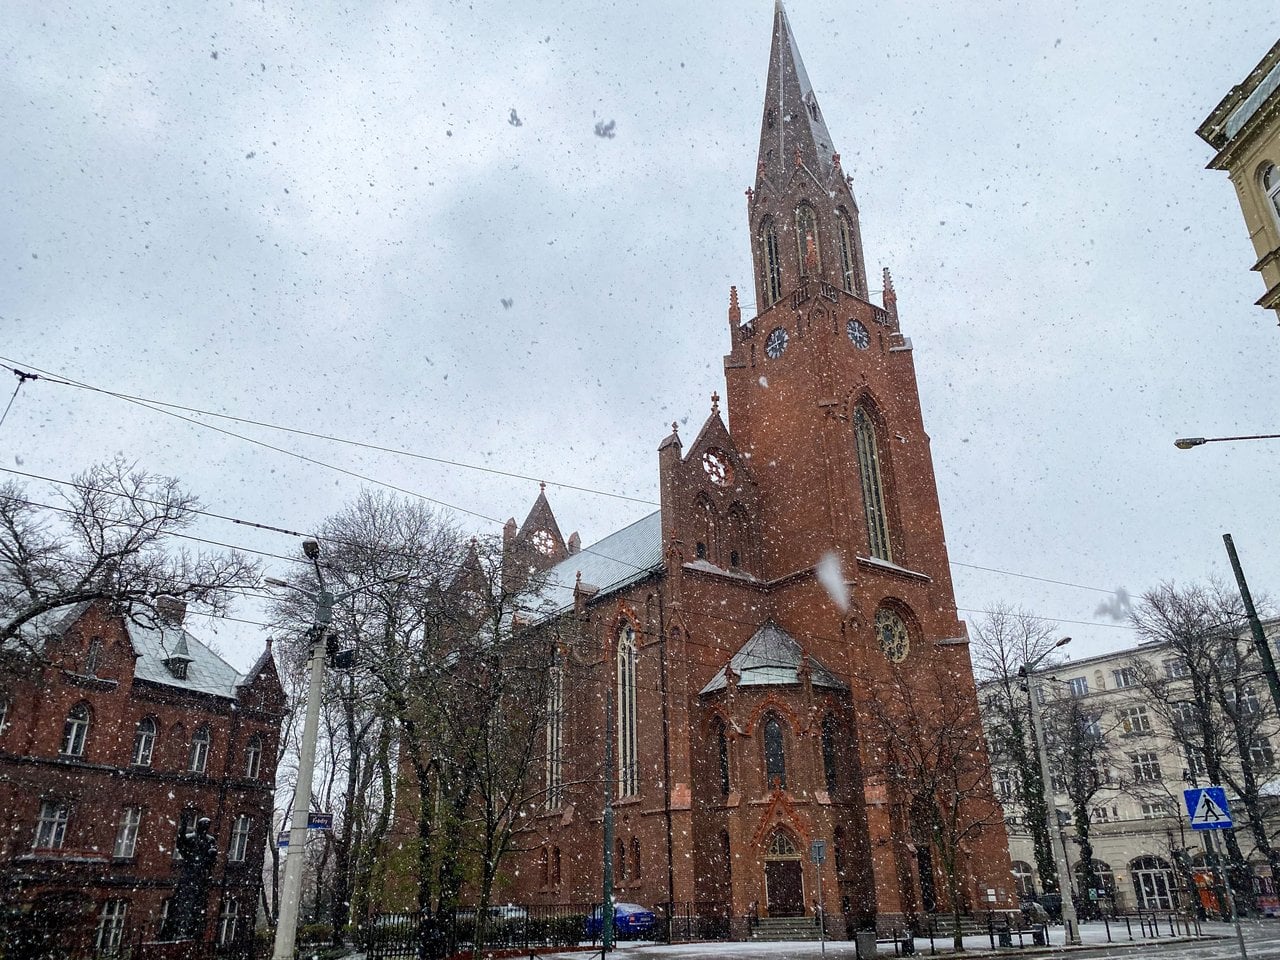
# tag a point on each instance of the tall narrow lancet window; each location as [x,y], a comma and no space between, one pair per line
[845,231]
[722,757]
[555,727]
[770,262]
[830,735]
[628,759]
[872,486]
[807,238]
[775,756]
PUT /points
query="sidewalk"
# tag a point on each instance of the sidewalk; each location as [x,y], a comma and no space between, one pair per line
[1092,935]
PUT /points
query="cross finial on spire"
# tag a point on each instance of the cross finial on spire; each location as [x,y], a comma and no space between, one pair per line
[542,487]
[715,404]
[675,427]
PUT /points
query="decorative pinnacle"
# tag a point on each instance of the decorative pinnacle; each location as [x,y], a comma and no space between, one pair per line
[715,404]
[542,487]
[890,297]
[835,159]
[675,427]
[735,312]
[751,194]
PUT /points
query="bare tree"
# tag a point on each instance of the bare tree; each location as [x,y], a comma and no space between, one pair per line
[936,763]
[108,537]
[1204,690]
[1004,641]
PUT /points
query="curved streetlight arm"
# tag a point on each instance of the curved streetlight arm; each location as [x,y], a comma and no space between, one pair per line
[1186,443]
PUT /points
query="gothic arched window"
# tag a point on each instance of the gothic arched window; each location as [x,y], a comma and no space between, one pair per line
[844,230]
[770,262]
[555,728]
[830,735]
[722,757]
[775,754]
[872,486]
[807,240]
[144,742]
[628,759]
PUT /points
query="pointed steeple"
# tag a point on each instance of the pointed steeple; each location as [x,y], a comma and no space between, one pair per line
[794,131]
[804,218]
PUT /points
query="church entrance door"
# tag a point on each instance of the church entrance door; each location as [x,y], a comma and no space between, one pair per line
[785,887]
[783,877]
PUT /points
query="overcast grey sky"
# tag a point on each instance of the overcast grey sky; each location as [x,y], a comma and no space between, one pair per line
[312,215]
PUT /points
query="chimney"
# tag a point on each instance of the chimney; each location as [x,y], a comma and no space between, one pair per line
[171,611]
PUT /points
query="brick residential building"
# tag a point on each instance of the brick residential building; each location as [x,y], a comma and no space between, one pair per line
[113,735]
[742,688]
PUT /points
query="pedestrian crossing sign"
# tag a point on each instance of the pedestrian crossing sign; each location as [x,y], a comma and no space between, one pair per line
[1207,808]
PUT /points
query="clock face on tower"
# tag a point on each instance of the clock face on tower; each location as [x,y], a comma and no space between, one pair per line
[858,334]
[892,632]
[544,542]
[717,466]
[775,343]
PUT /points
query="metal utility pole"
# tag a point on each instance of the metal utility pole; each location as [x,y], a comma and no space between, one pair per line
[291,888]
[606,900]
[1069,919]
[1259,635]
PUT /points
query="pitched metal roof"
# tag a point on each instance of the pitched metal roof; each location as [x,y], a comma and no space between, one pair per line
[772,657]
[617,561]
[206,673]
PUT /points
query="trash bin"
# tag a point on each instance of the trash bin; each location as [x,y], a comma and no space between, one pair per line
[1006,936]
[908,944]
[865,943]
[1038,936]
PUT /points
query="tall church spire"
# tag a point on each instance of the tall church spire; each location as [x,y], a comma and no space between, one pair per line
[804,218]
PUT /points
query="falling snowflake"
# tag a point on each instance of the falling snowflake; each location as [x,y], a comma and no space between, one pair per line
[604,129]
[831,577]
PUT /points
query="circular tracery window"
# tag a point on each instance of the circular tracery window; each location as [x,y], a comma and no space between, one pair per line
[544,543]
[717,466]
[894,640]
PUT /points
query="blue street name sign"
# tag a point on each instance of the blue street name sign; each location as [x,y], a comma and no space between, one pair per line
[1207,808]
[282,840]
[319,821]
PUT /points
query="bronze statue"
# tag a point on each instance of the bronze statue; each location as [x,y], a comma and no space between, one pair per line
[190,904]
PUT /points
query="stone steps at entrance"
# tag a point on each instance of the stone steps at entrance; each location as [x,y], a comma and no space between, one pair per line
[785,928]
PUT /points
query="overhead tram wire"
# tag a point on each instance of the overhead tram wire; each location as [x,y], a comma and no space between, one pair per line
[158,405]
[63,380]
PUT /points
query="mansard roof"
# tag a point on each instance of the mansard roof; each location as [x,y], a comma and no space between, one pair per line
[772,658]
[620,559]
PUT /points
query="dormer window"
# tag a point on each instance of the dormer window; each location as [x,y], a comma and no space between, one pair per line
[178,667]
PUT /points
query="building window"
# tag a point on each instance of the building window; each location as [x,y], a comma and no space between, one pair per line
[628,759]
[775,755]
[144,742]
[51,825]
[722,755]
[635,858]
[1260,752]
[769,260]
[75,731]
[620,861]
[127,833]
[555,866]
[1125,677]
[1004,785]
[830,734]
[199,751]
[1196,768]
[1270,180]
[111,926]
[555,733]
[240,831]
[4,715]
[93,659]
[253,758]
[227,918]
[872,486]
[544,867]
[807,239]
[1184,714]
[1024,879]
[1145,767]
[1091,726]
[1079,686]
[1135,720]
[844,231]
[726,853]
[1176,669]
[1099,815]
[1244,704]
[1155,809]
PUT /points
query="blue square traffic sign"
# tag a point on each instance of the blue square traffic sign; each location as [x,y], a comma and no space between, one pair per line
[1207,808]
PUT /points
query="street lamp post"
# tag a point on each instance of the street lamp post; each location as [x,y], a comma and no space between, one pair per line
[291,888]
[1069,919]
[1186,443]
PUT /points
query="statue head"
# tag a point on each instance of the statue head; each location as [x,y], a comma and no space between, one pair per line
[202,825]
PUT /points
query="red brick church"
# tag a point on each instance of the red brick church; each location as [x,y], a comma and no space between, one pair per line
[740,724]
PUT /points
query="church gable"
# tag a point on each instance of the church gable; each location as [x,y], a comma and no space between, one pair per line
[710,500]
[538,542]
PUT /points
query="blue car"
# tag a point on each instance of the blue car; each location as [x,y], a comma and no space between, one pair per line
[630,921]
